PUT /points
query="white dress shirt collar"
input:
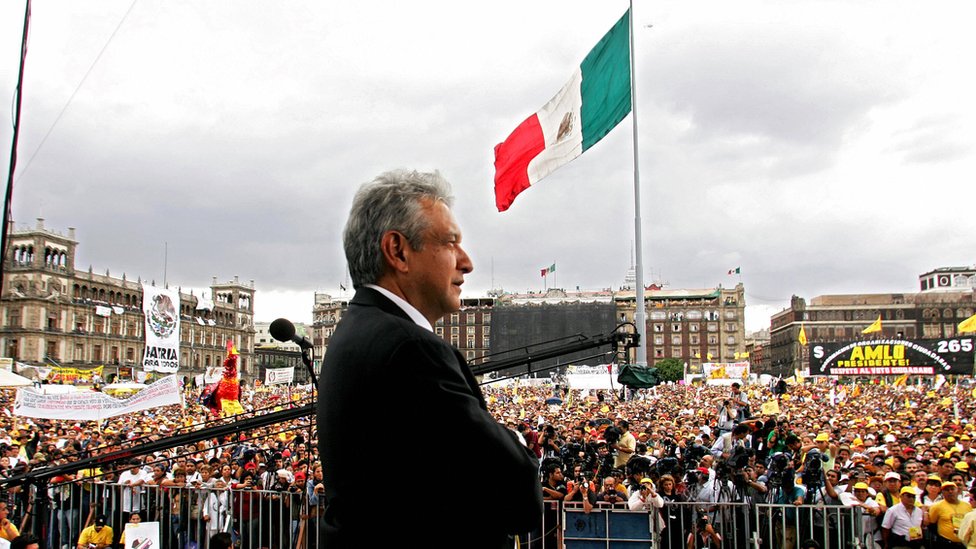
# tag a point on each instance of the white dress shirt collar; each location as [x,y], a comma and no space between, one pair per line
[412,312]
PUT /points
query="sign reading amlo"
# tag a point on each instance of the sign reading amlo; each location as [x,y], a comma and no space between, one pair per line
[890,356]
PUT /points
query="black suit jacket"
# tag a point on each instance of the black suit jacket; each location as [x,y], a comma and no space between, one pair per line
[409,450]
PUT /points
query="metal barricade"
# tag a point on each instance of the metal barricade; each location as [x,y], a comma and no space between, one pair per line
[832,526]
[258,519]
[187,517]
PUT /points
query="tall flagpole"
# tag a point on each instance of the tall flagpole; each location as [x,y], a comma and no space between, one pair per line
[640,313]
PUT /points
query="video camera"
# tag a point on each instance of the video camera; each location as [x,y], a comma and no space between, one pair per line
[813,474]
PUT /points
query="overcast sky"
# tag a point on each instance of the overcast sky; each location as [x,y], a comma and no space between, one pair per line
[823,147]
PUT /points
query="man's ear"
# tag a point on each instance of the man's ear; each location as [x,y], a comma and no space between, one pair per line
[395,248]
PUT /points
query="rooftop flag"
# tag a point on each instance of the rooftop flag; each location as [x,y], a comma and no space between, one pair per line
[592,103]
[874,327]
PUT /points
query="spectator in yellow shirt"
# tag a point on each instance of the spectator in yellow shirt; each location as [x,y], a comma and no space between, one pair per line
[96,536]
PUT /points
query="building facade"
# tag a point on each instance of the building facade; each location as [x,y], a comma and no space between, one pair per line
[929,314]
[694,326]
[52,314]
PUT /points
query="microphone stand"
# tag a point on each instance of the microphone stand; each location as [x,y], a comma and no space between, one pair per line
[307,361]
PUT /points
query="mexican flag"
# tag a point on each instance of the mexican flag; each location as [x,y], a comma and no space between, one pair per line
[591,104]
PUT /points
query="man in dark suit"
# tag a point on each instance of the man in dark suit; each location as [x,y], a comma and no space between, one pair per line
[442,472]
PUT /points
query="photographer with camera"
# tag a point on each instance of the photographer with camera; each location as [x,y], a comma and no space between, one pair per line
[727,443]
[554,485]
[703,534]
[645,498]
[580,489]
[776,442]
[610,494]
[740,403]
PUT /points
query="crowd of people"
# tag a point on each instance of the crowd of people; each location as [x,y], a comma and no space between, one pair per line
[902,454]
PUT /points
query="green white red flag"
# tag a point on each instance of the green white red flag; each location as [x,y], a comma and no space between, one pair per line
[591,104]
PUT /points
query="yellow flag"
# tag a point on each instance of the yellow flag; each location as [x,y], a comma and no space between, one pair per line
[856,392]
[908,403]
[745,354]
[803,336]
[874,327]
[930,394]
[736,356]
[974,392]
[968,325]
[900,380]
[946,401]
[770,408]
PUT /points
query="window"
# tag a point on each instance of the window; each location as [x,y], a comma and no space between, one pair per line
[130,354]
[676,340]
[13,317]
[454,340]
[675,352]
[439,331]
[470,330]
[79,352]
[730,340]
[658,352]
[52,322]
[52,349]
[96,353]
[658,315]
[693,327]
[486,330]
[676,327]
[659,327]
[471,343]
[486,318]
[470,318]
[948,330]
[454,318]
[731,327]
[694,315]
[712,339]
[712,327]
[454,331]
[659,340]
[470,355]
[486,342]
[694,339]
[729,315]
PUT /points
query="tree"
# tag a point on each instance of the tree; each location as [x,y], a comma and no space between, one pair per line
[670,369]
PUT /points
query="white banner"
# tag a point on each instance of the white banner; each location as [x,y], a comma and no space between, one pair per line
[94,405]
[276,376]
[213,374]
[726,370]
[103,311]
[162,310]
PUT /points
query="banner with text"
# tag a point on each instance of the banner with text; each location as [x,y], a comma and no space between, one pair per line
[892,356]
[162,310]
[94,405]
[275,376]
[726,370]
[75,375]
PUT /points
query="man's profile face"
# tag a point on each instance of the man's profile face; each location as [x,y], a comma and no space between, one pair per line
[437,271]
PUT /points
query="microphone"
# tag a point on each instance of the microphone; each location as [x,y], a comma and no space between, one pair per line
[283,330]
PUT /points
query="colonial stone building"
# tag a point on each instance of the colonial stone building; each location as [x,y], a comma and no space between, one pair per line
[693,325]
[52,314]
[932,313]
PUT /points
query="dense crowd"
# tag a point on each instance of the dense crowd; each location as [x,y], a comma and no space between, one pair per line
[903,454]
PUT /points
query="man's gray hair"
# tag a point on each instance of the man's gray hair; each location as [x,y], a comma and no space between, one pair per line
[393,201]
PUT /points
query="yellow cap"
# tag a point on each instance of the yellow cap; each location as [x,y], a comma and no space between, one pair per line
[908,490]
[822,437]
[861,486]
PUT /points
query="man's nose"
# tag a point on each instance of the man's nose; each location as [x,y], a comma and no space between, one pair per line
[464,263]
